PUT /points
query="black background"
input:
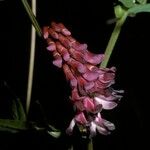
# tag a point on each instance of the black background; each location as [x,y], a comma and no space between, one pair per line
[87,21]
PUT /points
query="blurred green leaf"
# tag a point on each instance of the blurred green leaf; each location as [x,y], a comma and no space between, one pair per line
[11,130]
[127,3]
[32,17]
[139,9]
[142,1]
[18,110]
[14,110]
[12,124]
[54,134]
[53,131]
[21,111]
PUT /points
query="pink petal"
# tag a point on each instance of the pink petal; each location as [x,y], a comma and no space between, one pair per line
[94,59]
[88,104]
[102,130]
[89,85]
[51,47]
[76,55]
[109,125]
[80,118]
[79,47]
[66,32]
[69,75]
[90,76]
[106,104]
[58,62]
[77,65]
[92,129]
[69,130]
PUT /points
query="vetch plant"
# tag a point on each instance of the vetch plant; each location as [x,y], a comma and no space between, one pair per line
[89,76]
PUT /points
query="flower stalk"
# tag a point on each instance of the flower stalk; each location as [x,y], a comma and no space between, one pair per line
[113,40]
[90,144]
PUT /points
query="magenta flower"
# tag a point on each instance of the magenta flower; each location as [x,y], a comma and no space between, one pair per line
[91,86]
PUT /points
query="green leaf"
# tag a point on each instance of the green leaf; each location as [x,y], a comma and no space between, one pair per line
[11,130]
[18,110]
[32,17]
[139,9]
[13,124]
[53,131]
[142,1]
[127,3]
[21,111]
[14,110]
[54,134]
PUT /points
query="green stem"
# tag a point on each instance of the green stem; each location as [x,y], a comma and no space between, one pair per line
[113,40]
[90,144]
[32,17]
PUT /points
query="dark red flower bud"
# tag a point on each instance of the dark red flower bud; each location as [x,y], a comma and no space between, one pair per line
[64,41]
[76,65]
[79,47]
[93,59]
[51,45]
[56,27]
[77,55]
[63,51]
[64,30]
[45,32]
[90,75]
[58,59]
[69,75]
[52,33]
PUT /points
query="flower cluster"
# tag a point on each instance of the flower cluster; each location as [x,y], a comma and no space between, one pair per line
[91,85]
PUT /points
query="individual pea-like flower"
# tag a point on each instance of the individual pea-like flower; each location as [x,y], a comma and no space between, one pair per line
[91,85]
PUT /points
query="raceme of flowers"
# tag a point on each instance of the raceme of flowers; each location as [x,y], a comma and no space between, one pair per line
[91,85]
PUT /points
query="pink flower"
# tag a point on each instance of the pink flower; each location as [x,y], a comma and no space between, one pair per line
[91,86]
